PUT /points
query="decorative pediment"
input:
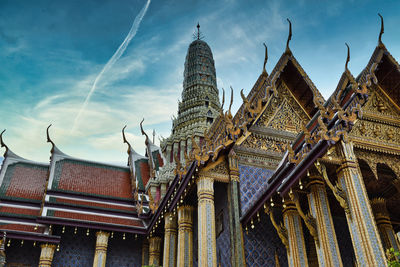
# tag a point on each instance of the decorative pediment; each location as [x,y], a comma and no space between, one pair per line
[218,170]
[284,114]
[379,105]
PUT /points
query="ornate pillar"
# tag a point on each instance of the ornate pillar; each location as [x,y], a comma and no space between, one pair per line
[46,255]
[183,150]
[189,145]
[297,253]
[364,233]
[101,249]
[185,236]
[3,250]
[327,246]
[175,150]
[145,252]
[154,250]
[170,237]
[388,236]
[163,188]
[237,252]
[168,155]
[206,222]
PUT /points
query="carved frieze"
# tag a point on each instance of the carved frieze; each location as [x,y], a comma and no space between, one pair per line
[376,131]
[265,143]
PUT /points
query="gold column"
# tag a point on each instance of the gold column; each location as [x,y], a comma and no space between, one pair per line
[360,220]
[185,236]
[3,250]
[154,250]
[297,253]
[46,255]
[207,242]
[388,236]
[170,240]
[327,246]
[145,252]
[101,249]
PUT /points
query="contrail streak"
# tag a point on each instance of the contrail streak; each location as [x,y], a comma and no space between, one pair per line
[121,49]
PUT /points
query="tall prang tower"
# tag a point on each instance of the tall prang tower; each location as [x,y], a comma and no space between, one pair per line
[199,106]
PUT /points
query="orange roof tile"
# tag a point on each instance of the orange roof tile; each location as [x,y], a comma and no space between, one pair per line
[92,178]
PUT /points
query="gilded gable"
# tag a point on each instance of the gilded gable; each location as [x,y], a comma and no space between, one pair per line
[285,113]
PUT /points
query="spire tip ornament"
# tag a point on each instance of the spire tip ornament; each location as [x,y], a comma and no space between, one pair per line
[198,35]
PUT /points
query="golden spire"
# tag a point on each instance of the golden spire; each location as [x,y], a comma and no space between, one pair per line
[382,29]
[289,36]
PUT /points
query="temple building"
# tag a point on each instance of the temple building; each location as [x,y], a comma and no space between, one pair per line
[290,179]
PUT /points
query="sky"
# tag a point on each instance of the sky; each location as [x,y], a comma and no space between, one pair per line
[51,53]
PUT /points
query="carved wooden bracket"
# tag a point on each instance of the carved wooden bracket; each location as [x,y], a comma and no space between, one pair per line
[337,190]
[308,219]
[280,229]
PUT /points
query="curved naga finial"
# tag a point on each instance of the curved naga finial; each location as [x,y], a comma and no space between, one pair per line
[230,105]
[143,132]
[289,36]
[266,57]
[382,29]
[223,101]
[348,57]
[48,136]
[126,141]
[1,140]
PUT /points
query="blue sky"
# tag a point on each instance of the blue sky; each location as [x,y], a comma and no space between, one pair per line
[51,52]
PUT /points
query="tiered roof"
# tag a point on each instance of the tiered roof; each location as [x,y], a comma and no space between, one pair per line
[76,192]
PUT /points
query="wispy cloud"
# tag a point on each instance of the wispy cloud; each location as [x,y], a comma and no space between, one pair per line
[121,49]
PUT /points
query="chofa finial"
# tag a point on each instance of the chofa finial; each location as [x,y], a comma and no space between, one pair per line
[48,136]
[348,56]
[143,132]
[382,29]
[223,101]
[124,138]
[289,36]
[266,57]
[1,140]
[230,105]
